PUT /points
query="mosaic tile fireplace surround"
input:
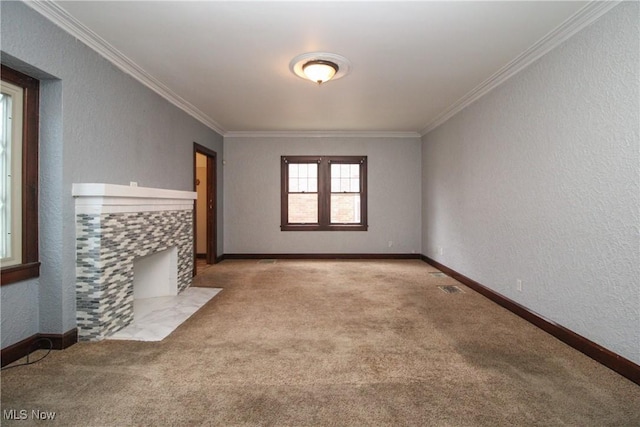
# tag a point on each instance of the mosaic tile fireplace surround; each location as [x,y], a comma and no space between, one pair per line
[117,225]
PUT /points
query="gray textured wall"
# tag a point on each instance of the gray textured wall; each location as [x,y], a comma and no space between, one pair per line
[98,125]
[539,181]
[252,196]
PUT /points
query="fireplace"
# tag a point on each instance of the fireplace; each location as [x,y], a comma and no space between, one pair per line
[123,232]
[156,275]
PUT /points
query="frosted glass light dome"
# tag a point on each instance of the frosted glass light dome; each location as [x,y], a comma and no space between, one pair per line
[320,71]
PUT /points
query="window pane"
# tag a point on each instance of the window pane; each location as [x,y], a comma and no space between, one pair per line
[345,208]
[335,170]
[11,103]
[355,185]
[313,185]
[345,178]
[335,185]
[293,185]
[303,177]
[302,185]
[5,172]
[303,208]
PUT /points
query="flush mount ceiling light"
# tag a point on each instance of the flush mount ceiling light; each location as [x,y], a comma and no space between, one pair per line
[320,67]
[320,71]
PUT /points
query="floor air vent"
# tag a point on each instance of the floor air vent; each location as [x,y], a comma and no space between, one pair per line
[450,289]
[267,261]
[437,274]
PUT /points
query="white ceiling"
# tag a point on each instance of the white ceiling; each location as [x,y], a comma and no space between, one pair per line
[412,62]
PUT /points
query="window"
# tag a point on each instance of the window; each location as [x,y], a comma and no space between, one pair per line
[323,193]
[19,103]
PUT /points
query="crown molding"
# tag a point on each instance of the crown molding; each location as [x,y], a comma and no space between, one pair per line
[68,23]
[321,134]
[579,20]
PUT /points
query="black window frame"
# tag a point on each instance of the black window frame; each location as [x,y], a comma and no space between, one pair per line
[324,193]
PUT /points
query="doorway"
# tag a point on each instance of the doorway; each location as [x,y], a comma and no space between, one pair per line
[204,221]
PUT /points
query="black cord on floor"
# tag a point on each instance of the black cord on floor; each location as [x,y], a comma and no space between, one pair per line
[37,348]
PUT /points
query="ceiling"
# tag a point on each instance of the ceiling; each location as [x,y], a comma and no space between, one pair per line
[412,63]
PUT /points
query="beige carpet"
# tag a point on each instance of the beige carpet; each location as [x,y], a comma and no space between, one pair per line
[301,343]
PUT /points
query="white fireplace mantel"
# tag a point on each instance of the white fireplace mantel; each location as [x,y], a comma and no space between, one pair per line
[94,198]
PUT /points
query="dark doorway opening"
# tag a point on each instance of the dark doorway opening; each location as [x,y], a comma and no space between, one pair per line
[204,219]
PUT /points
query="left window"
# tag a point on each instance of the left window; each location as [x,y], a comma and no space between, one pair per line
[19,122]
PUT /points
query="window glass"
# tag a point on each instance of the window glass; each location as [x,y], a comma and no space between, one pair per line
[345,178]
[11,102]
[5,190]
[303,208]
[345,208]
[303,177]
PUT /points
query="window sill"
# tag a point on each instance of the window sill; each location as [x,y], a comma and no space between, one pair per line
[315,227]
[17,273]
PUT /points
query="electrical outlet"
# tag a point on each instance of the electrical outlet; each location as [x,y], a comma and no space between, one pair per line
[133,184]
[390,243]
[440,250]
[519,285]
